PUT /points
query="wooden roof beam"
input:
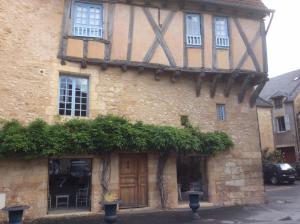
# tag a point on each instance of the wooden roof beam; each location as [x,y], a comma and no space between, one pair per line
[199,81]
[257,91]
[244,87]
[229,84]
[214,85]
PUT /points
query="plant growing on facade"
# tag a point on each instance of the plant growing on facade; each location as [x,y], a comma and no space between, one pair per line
[107,134]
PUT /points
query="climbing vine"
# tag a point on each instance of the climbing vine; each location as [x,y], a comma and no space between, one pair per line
[105,134]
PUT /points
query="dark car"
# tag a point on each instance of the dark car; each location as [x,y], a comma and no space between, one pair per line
[279,173]
[297,168]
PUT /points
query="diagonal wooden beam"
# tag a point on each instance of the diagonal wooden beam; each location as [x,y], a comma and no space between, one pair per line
[199,81]
[229,84]
[214,85]
[246,55]
[244,88]
[159,37]
[257,91]
[247,44]
[264,46]
[155,44]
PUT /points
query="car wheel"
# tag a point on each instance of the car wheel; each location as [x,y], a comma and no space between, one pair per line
[291,182]
[274,180]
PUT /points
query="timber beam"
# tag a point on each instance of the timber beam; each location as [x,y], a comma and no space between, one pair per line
[199,80]
[141,67]
[244,87]
[175,75]
[257,91]
[157,74]
[124,68]
[214,85]
[229,84]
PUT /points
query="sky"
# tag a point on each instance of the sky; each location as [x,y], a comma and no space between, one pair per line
[283,39]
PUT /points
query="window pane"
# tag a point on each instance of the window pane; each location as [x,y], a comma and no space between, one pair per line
[193,29]
[221,32]
[221,112]
[88,20]
[72,102]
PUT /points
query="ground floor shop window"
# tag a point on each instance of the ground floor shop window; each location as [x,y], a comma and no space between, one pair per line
[191,176]
[69,184]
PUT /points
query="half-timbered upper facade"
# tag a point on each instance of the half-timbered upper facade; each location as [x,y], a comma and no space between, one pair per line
[214,39]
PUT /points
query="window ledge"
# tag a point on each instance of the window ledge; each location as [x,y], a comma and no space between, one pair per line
[194,46]
[281,132]
[222,48]
[98,39]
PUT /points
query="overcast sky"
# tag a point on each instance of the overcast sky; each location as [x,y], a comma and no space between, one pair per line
[284,37]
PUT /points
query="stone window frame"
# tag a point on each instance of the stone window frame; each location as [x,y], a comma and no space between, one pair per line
[221,112]
[74,79]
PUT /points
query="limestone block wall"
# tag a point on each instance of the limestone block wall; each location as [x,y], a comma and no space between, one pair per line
[25,183]
[29,89]
[264,116]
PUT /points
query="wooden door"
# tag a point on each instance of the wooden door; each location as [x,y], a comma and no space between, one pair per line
[133,181]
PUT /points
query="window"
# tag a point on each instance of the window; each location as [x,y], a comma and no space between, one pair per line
[221,32]
[221,112]
[278,103]
[73,97]
[280,124]
[88,20]
[193,30]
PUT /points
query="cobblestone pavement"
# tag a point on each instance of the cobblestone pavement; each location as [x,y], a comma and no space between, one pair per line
[282,207]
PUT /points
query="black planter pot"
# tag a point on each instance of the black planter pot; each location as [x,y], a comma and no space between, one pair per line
[194,198]
[15,214]
[110,209]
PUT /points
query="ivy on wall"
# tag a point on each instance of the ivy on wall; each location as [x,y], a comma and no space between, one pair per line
[105,134]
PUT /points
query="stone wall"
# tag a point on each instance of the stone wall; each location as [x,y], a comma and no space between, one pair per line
[25,183]
[265,121]
[29,89]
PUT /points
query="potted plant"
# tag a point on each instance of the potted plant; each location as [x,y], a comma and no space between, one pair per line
[15,213]
[110,204]
[194,198]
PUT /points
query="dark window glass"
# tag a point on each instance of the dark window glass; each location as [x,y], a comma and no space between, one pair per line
[278,103]
[281,124]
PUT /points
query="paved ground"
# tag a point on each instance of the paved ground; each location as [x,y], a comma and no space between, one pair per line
[283,207]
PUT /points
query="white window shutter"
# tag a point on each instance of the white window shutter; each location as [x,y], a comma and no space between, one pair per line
[287,123]
[275,125]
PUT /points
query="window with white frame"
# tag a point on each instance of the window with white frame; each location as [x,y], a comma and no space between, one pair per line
[88,20]
[193,30]
[221,32]
[281,127]
[282,124]
[221,116]
[73,96]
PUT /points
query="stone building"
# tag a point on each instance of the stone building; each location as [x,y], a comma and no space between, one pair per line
[153,61]
[265,124]
[282,92]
